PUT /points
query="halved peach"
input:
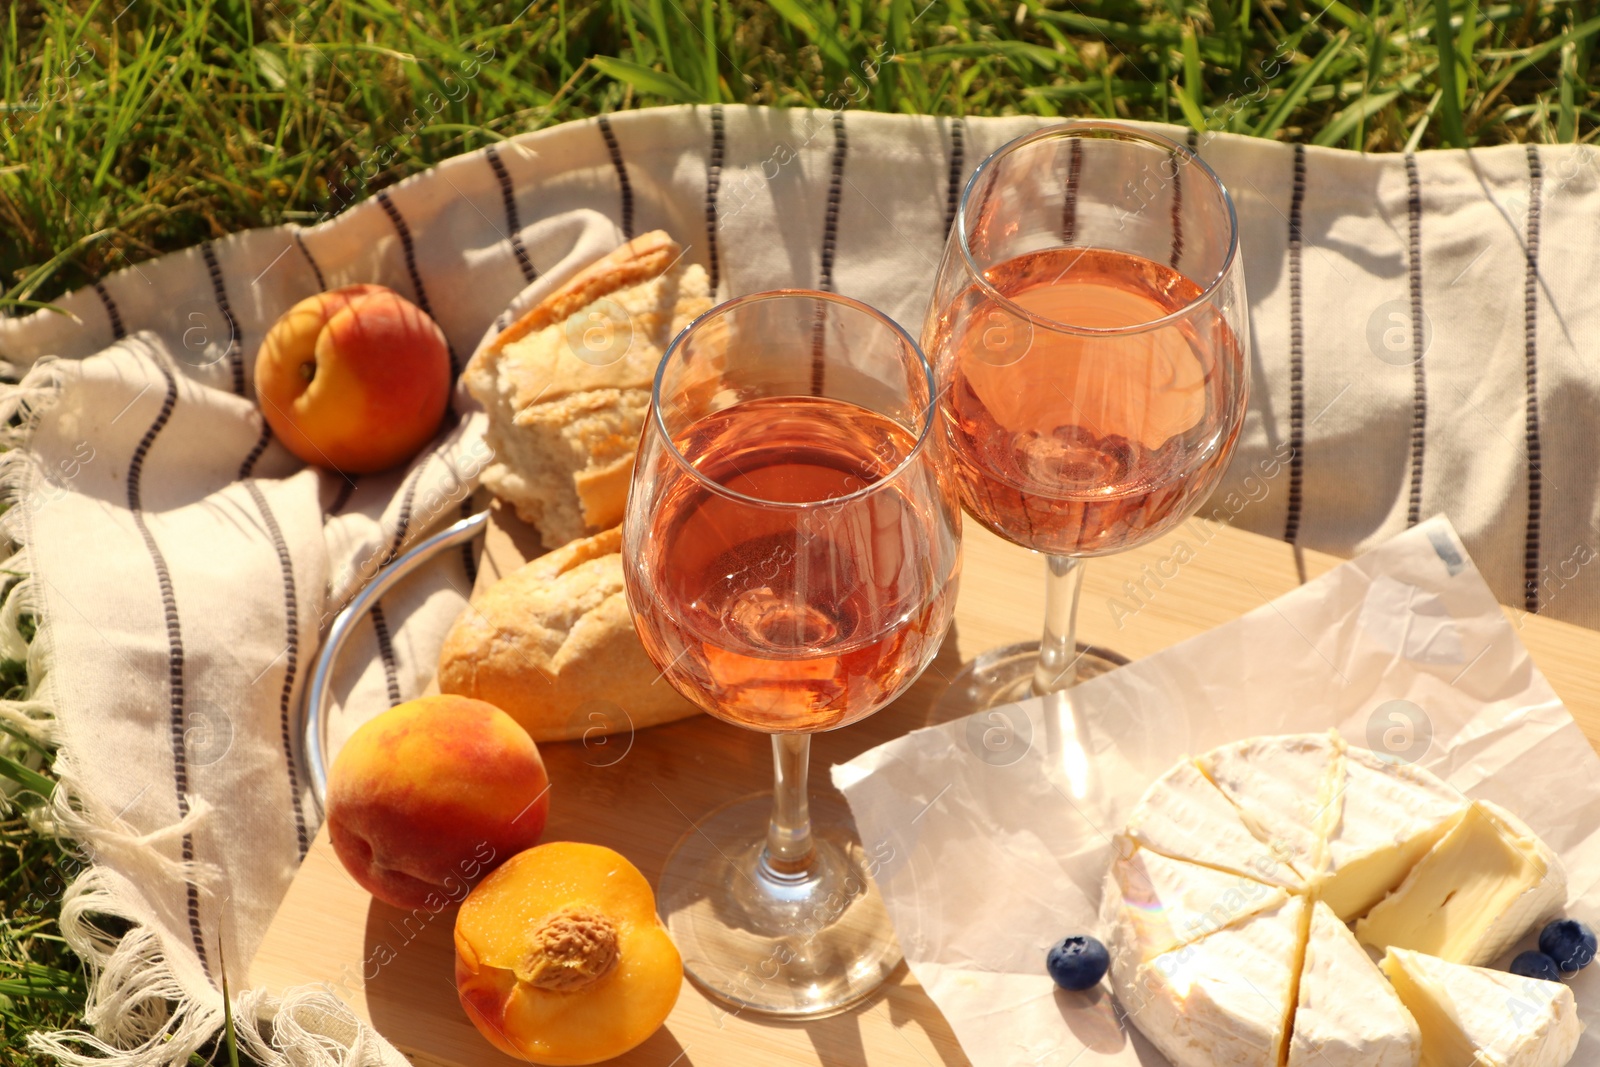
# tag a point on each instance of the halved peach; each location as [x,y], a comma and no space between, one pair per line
[560,959]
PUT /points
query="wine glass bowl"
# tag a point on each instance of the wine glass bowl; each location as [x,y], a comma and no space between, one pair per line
[790,556]
[1088,326]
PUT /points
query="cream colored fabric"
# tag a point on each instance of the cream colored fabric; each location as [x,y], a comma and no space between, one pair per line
[857,202]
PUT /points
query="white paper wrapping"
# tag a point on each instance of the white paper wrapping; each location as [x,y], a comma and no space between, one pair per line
[996,828]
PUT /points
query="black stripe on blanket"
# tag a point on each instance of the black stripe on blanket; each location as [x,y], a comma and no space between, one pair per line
[1069,203]
[291,654]
[409,248]
[830,245]
[391,671]
[509,199]
[469,556]
[117,331]
[219,291]
[624,187]
[169,606]
[1192,141]
[830,224]
[719,144]
[1177,163]
[1530,333]
[956,172]
[380,622]
[346,487]
[403,526]
[1297,396]
[322,283]
[248,467]
[1419,380]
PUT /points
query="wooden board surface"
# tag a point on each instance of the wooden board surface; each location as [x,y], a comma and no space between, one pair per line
[640,794]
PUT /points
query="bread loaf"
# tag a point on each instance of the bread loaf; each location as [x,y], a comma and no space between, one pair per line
[567,386]
[553,645]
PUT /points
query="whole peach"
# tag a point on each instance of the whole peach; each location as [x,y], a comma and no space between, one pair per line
[430,796]
[354,379]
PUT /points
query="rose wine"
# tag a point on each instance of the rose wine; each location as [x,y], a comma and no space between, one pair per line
[1084,443]
[793,592]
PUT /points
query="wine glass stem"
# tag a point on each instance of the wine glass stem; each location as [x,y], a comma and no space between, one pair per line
[1058,648]
[789,851]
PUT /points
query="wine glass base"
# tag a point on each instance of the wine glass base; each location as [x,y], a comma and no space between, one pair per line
[801,947]
[1005,676]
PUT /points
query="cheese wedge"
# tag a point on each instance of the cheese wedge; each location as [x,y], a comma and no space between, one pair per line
[1225,1000]
[1478,890]
[1390,815]
[1284,789]
[1152,904]
[1348,1016]
[1472,1017]
[1184,816]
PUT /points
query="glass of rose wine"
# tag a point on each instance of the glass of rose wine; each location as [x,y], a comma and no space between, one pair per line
[790,551]
[1089,329]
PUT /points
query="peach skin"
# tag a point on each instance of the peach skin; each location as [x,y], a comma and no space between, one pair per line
[427,798]
[560,959]
[354,379]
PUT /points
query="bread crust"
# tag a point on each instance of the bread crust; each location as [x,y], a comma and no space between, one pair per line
[564,426]
[553,645]
[647,256]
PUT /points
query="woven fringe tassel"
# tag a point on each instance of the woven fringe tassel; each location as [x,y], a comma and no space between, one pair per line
[316,1028]
[140,1014]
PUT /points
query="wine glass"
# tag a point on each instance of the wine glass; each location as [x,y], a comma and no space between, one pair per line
[1089,329]
[791,552]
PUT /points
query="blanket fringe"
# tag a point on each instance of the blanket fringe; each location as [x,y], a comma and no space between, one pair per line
[33,716]
[138,1011]
[316,1028]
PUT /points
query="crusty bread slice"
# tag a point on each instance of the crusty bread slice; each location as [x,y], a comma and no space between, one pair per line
[567,386]
[553,645]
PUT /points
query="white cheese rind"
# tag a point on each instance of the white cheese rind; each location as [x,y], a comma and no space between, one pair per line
[1471,1015]
[1485,884]
[1281,787]
[1390,815]
[1222,1001]
[1152,904]
[1184,816]
[1348,1015]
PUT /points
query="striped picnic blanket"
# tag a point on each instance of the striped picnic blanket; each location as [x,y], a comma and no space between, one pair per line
[1421,343]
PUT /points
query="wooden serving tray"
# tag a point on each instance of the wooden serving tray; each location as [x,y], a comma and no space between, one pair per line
[640,795]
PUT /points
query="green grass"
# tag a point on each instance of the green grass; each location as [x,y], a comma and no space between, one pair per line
[42,982]
[132,129]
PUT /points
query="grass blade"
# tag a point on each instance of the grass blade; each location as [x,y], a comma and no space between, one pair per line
[1567,118]
[646,80]
[805,18]
[29,779]
[229,1038]
[1013,51]
[1302,84]
[1450,122]
[1191,110]
[1346,120]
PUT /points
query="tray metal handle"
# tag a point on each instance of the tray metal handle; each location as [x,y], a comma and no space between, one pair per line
[313,710]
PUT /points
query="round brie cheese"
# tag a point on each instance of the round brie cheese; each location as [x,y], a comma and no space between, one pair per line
[1228,904]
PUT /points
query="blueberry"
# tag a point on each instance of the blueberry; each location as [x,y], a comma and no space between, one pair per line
[1076,963]
[1570,943]
[1536,965]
